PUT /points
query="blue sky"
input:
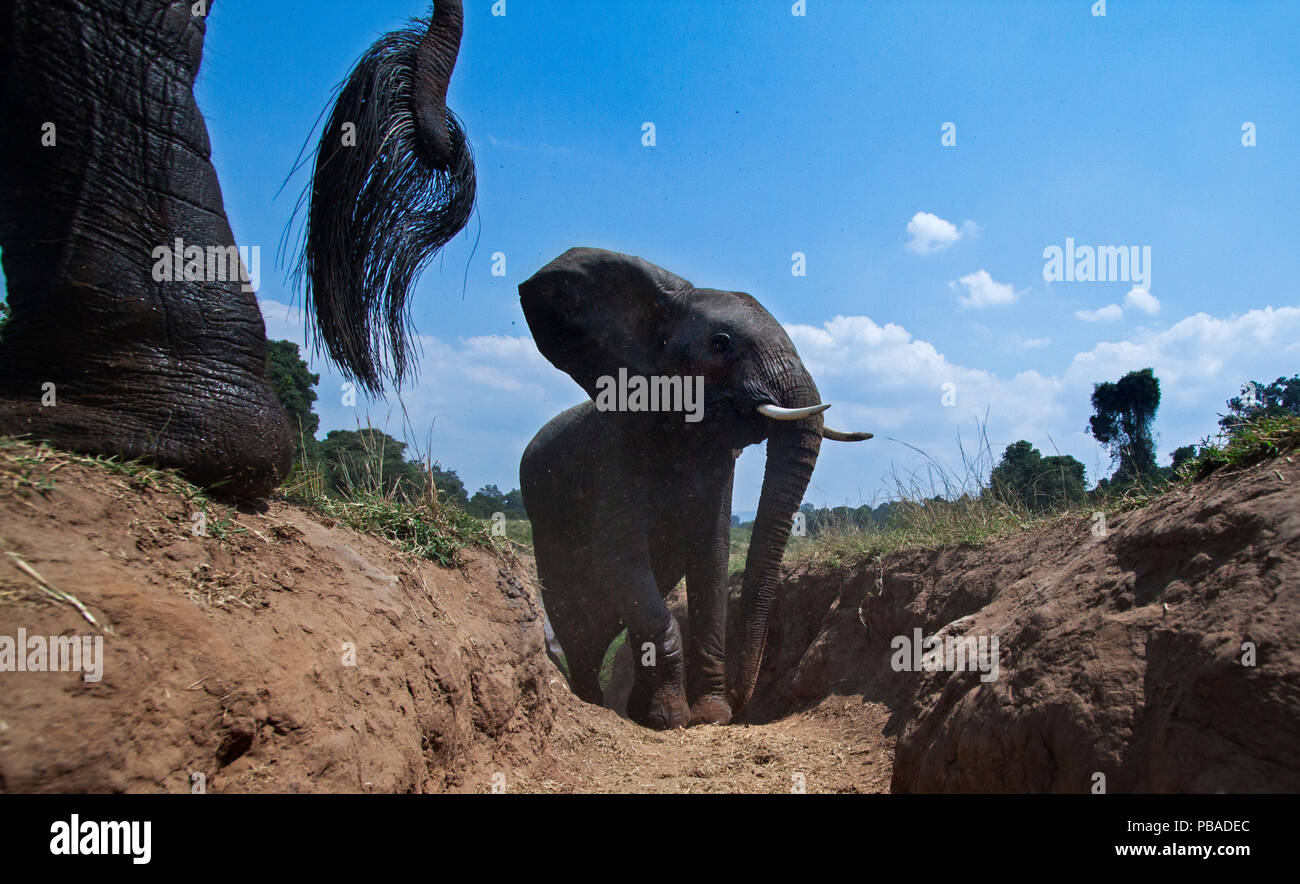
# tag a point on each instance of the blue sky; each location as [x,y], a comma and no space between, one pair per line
[822,134]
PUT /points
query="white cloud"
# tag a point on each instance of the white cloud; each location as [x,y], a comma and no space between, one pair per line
[903,377]
[1036,343]
[479,400]
[882,379]
[1202,358]
[1139,298]
[930,233]
[983,291]
[1109,313]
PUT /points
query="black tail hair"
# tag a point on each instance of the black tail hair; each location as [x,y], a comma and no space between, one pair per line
[377,213]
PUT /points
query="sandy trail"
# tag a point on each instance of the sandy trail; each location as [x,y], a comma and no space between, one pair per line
[838,746]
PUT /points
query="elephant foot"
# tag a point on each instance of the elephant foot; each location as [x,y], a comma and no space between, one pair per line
[658,698]
[711,709]
[233,448]
[664,709]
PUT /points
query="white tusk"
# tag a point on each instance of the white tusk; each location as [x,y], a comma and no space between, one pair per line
[777,413]
[841,436]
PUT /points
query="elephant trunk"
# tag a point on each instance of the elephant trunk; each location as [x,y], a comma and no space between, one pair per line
[792,449]
[434,61]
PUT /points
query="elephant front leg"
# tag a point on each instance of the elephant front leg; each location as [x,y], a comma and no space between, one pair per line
[658,697]
[706,588]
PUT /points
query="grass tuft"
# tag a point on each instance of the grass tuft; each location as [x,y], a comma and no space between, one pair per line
[421,524]
[20,458]
[1249,444]
[938,508]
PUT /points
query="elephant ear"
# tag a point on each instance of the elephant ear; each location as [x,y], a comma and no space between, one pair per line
[593,312]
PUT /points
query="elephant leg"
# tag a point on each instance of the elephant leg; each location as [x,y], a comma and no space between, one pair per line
[584,627]
[623,568]
[658,696]
[706,588]
[583,655]
[105,174]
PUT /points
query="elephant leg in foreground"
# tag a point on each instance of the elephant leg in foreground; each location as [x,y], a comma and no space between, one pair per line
[134,329]
[624,572]
[105,175]
[706,590]
[594,561]
[584,631]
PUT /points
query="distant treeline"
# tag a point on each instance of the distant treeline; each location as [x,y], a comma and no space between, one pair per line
[1024,479]
[369,458]
[1123,414]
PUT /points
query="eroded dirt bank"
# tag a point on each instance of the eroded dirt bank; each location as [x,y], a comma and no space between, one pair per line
[1162,654]
[1119,654]
[293,655]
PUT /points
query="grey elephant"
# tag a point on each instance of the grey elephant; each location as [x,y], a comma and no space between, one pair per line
[631,491]
[133,330]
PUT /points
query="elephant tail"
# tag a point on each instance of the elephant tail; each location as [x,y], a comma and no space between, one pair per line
[393,181]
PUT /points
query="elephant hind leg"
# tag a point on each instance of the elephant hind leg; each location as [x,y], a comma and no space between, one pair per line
[583,626]
[584,671]
[585,643]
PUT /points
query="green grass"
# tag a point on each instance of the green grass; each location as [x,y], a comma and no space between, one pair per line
[740,535]
[936,508]
[21,460]
[426,526]
[520,531]
[944,511]
[607,665]
[1258,441]
[923,524]
[437,532]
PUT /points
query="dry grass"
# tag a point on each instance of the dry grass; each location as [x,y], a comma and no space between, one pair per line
[939,508]
[1250,444]
[426,527]
[422,524]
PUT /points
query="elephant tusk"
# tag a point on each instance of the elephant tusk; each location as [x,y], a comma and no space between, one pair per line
[777,413]
[841,436]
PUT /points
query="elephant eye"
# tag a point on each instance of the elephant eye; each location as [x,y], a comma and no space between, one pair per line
[720,342]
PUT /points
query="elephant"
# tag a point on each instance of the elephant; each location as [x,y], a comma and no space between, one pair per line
[626,500]
[107,184]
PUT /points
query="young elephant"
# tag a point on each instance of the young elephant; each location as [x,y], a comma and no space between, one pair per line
[628,495]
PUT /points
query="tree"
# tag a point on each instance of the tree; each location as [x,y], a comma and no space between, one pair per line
[863,518]
[1124,412]
[1065,478]
[514,505]
[4,314]
[372,460]
[489,499]
[1027,479]
[1257,401]
[1180,456]
[486,501]
[293,383]
[450,487]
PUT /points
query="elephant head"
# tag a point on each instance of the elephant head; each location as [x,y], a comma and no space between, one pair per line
[393,182]
[594,312]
